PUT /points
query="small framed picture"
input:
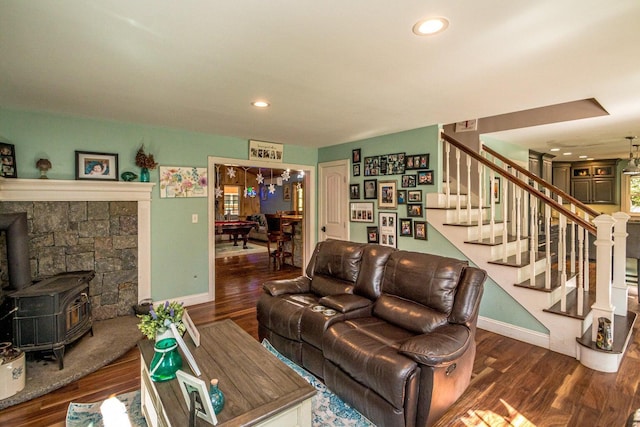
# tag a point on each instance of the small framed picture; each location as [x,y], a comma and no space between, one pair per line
[372,235]
[195,388]
[355,155]
[417,161]
[356,169]
[415,196]
[420,230]
[387,222]
[425,177]
[408,181]
[406,227]
[100,166]
[8,158]
[354,191]
[414,209]
[362,212]
[402,197]
[286,192]
[372,166]
[370,188]
[387,195]
[495,189]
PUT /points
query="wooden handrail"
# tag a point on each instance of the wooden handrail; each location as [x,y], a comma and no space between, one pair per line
[557,206]
[545,184]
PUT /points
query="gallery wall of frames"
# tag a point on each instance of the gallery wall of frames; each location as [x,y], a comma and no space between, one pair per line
[392,183]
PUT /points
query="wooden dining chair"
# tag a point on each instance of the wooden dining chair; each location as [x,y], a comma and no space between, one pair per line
[277,236]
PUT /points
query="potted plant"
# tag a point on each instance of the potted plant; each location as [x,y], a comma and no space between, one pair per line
[145,162]
[157,325]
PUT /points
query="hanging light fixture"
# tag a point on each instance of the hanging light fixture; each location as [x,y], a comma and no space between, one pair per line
[632,167]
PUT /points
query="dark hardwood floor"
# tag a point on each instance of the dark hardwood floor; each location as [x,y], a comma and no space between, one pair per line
[513,383]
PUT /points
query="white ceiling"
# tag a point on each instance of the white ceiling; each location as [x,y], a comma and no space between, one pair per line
[333,70]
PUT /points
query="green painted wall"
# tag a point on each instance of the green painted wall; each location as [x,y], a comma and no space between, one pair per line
[179,254]
[496,303]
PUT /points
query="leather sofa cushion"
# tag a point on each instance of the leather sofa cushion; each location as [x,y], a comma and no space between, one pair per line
[283,314]
[408,314]
[366,348]
[426,279]
[374,259]
[339,259]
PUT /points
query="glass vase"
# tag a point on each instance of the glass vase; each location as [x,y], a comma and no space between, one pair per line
[216,396]
[166,360]
[144,175]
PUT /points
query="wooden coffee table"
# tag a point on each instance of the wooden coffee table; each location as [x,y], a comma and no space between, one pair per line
[259,389]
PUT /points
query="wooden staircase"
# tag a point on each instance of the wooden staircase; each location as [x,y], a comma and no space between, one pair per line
[562,296]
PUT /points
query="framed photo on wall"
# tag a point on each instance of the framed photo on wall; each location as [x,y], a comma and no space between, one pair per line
[406,227]
[402,197]
[98,166]
[415,196]
[370,188]
[387,195]
[425,177]
[355,155]
[387,223]
[414,209]
[495,190]
[8,158]
[354,191]
[372,235]
[408,181]
[420,230]
[356,169]
[362,212]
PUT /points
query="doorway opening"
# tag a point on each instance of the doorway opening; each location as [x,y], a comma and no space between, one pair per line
[241,197]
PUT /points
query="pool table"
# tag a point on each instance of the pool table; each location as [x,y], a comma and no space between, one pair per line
[236,228]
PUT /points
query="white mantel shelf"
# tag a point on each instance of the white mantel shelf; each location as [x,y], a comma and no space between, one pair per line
[46,190]
[55,190]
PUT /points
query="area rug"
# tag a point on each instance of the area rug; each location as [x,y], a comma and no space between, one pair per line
[327,408]
[226,249]
[119,409]
[111,339]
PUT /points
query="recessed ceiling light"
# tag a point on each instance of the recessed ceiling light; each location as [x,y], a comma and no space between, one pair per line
[430,26]
[260,104]
[590,158]
[583,157]
[555,149]
[567,154]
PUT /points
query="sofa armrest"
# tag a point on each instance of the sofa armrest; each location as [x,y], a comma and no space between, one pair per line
[344,303]
[444,344]
[299,285]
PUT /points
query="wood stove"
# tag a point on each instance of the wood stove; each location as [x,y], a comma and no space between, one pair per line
[52,313]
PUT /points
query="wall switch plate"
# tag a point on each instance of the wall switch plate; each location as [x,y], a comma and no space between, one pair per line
[194,218]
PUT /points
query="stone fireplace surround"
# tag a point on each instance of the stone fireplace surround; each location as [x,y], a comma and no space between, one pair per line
[99,222]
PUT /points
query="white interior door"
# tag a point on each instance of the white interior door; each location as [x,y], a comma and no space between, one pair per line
[333,200]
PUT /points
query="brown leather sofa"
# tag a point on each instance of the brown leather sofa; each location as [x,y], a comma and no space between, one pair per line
[391,332]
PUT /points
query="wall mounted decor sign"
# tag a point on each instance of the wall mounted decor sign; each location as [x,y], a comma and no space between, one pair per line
[266,151]
[362,212]
[8,158]
[98,166]
[183,181]
[387,222]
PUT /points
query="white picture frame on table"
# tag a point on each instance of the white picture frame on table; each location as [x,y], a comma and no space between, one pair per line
[190,384]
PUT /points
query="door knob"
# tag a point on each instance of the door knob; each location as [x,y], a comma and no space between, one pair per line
[324,229]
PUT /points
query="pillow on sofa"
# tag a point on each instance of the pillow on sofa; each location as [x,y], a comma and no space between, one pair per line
[259,218]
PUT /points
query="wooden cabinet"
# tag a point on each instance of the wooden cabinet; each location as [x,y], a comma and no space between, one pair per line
[594,182]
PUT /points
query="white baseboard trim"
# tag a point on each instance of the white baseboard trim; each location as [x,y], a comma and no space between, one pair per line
[516,332]
[189,300]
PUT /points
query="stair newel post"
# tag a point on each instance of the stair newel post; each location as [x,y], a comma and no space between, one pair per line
[562,260]
[481,192]
[458,201]
[468,189]
[492,213]
[505,211]
[586,256]
[620,290]
[447,156]
[547,244]
[604,243]
[573,242]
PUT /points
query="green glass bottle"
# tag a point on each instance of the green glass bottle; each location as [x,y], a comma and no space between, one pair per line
[216,396]
[166,360]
